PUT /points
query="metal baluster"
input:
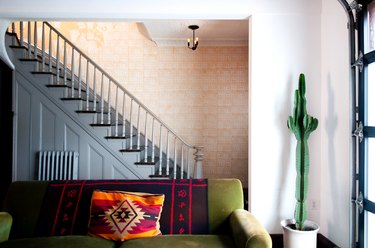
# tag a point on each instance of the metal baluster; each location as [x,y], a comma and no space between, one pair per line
[72,73]
[138,127]
[35,40]
[116,112]
[175,159]
[131,123]
[21,33]
[182,160]
[50,50]
[79,75]
[58,60]
[167,168]
[102,100]
[146,141]
[153,141]
[94,88]
[43,48]
[109,102]
[188,163]
[13,31]
[160,150]
[87,85]
[65,63]
[124,116]
[29,38]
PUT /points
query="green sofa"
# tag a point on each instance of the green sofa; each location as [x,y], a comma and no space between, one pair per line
[229,224]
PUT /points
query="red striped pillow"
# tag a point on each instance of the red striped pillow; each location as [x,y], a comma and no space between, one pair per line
[121,216]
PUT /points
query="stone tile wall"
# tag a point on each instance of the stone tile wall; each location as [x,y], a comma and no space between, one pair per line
[202,94]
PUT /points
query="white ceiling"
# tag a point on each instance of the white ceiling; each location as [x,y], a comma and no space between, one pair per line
[210,32]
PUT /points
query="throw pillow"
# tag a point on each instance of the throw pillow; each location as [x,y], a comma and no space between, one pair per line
[121,216]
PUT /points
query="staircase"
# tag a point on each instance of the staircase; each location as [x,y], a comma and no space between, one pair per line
[99,103]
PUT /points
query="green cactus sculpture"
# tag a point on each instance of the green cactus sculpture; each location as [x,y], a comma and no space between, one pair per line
[302,125]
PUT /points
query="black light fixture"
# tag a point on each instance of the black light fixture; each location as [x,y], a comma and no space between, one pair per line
[195,39]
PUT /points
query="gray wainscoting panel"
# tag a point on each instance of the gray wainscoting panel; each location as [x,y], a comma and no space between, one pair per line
[119,174]
[47,128]
[96,162]
[71,139]
[23,118]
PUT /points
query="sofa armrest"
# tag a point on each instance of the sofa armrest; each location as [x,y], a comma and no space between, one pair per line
[5,225]
[247,231]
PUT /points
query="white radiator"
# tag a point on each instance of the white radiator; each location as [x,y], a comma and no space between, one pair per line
[58,165]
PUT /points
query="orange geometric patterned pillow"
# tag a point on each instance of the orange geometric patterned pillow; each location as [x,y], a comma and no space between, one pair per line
[121,216]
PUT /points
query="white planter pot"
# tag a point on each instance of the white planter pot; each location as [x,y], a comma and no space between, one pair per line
[297,239]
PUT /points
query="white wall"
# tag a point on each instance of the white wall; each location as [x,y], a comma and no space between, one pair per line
[282,46]
[335,125]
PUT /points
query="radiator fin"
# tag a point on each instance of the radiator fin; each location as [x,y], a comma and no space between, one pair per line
[58,165]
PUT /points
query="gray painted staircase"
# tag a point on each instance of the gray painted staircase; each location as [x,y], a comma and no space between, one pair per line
[126,128]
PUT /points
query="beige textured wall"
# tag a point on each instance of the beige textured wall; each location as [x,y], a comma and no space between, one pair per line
[203,95]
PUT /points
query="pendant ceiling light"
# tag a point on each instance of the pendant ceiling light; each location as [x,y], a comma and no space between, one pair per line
[195,39]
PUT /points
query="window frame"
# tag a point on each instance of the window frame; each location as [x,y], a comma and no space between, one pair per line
[368,131]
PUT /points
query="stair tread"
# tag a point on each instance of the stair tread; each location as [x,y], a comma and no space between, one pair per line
[63,86]
[69,86]
[61,75]
[76,99]
[18,47]
[57,86]
[148,162]
[133,149]
[160,176]
[10,33]
[71,98]
[118,137]
[87,112]
[105,124]
[42,72]
[28,60]
[164,173]
[100,125]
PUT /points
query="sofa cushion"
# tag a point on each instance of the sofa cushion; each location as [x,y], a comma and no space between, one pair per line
[59,242]
[121,216]
[182,241]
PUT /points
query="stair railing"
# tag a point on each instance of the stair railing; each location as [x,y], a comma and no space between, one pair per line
[102,94]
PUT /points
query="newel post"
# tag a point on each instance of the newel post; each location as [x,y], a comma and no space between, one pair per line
[198,157]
